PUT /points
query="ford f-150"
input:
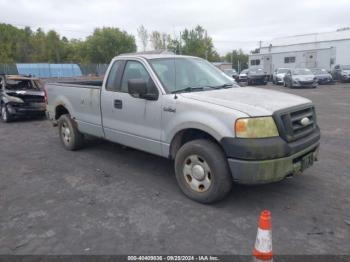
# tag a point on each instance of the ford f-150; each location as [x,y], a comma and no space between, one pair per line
[185,109]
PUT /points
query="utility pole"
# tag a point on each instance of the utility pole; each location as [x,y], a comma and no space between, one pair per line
[232,58]
[180,51]
[260,46]
[206,46]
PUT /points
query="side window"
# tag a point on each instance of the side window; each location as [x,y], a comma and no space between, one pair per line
[289,59]
[135,70]
[112,80]
[255,62]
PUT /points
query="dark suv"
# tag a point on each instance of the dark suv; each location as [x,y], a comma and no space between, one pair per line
[21,96]
[256,76]
[341,73]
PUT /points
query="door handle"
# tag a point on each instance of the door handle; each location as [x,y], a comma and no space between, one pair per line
[118,104]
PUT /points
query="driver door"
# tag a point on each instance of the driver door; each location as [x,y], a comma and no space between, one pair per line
[130,120]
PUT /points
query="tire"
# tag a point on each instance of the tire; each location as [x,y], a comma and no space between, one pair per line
[70,136]
[208,177]
[5,116]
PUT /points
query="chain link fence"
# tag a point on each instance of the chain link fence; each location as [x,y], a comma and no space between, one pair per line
[46,70]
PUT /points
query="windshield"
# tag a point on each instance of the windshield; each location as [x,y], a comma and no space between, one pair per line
[319,71]
[22,84]
[302,71]
[179,73]
[346,67]
[282,70]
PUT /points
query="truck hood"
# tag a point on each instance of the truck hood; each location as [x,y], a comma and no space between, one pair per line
[303,77]
[249,100]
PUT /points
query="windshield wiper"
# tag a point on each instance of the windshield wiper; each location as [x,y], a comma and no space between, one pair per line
[222,86]
[191,89]
[187,89]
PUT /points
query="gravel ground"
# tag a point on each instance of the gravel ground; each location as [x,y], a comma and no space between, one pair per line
[107,199]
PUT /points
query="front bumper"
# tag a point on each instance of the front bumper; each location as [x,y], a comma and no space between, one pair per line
[324,81]
[257,79]
[268,171]
[266,160]
[304,84]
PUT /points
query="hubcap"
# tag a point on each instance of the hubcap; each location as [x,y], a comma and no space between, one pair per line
[66,134]
[197,173]
[4,113]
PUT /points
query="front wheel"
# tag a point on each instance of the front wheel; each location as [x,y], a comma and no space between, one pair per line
[202,171]
[70,136]
[5,116]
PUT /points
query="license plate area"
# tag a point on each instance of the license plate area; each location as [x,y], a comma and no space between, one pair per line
[307,161]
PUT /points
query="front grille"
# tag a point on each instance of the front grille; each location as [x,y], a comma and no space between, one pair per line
[289,122]
[306,82]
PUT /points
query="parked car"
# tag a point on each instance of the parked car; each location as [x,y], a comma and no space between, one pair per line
[341,73]
[278,75]
[232,73]
[243,76]
[300,77]
[185,109]
[21,96]
[256,76]
[322,75]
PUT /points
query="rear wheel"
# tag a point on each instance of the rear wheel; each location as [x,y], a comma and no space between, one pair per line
[5,116]
[202,171]
[70,136]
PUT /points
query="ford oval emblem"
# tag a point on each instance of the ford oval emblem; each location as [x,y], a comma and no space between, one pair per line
[305,121]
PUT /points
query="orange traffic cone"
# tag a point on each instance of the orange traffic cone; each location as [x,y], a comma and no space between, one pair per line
[263,244]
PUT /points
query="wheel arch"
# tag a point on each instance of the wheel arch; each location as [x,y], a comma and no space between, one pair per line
[189,134]
[60,110]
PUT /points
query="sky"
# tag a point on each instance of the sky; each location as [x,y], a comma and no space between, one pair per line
[232,24]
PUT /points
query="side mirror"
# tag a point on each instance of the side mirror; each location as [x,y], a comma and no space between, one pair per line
[138,88]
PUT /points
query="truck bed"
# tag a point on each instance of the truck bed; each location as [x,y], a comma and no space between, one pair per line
[82,99]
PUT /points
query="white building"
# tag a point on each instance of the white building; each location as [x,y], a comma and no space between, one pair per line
[323,50]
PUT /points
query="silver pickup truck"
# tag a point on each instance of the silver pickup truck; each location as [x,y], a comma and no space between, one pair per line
[185,109]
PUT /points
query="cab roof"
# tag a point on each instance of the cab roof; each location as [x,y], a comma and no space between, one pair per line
[153,55]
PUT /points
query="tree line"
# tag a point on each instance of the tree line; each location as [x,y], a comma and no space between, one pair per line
[27,46]
[19,45]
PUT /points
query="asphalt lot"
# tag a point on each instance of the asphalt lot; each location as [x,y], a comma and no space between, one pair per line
[107,199]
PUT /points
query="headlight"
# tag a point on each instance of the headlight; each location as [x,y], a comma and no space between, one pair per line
[258,127]
[14,99]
